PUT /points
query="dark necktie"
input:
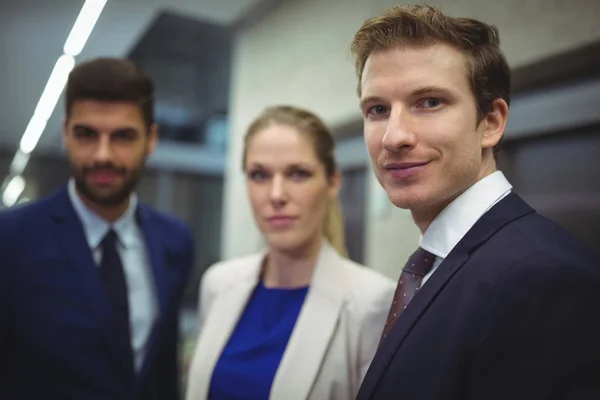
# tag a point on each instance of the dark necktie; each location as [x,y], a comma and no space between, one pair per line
[418,265]
[113,277]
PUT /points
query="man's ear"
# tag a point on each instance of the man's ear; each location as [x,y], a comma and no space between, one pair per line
[152,137]
[494,124]
[65,131]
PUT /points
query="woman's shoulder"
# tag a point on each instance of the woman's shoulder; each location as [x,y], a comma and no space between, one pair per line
[367,285]
[360,273]
[232,270]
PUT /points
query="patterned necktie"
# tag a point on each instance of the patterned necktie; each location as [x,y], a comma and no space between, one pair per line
[418,265]
[113,277]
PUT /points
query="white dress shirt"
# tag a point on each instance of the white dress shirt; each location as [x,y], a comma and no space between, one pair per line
[449,227]
[143,307]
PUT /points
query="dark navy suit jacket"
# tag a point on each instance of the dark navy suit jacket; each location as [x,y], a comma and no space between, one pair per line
[513,313]
[56,336]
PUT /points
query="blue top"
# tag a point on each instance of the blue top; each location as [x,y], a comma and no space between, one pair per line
[248,363]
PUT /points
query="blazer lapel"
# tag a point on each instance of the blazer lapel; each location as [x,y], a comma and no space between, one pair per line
[71,237]
[504,212]
[218,326]
[312,333]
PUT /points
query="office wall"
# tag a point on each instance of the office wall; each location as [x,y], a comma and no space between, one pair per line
[298,53]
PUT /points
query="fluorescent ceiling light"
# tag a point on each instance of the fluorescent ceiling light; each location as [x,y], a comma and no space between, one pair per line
[54,86]
[47,103]
[19,163]
[82,28]
[32,134]
[88,16]
[13,190]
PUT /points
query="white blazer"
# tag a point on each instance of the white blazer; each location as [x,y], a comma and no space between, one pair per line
[332,343]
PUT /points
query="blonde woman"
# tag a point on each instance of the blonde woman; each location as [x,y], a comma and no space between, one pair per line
[299,320]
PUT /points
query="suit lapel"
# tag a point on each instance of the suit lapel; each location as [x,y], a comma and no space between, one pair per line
[71,237]
[218,326]
[504,212]
[312,333]
[155,246]
[409,318]
[156,249]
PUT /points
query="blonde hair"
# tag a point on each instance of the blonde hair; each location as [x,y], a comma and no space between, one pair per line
[307,123]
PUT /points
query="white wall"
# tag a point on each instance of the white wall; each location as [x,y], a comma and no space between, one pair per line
[298,53]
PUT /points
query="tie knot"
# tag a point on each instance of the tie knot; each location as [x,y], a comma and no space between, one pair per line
[110,239]
[420,263]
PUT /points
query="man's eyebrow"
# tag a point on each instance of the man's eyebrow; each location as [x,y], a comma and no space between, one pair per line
[417,92]
[371,100]
[84,126]
[428,90]
[123,129]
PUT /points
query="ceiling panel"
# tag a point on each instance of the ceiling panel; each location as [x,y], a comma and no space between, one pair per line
[32,33]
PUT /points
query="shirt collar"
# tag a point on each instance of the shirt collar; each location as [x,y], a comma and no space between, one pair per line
[449,227]
[95,227]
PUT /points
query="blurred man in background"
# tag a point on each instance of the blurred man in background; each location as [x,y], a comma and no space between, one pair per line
[90,278]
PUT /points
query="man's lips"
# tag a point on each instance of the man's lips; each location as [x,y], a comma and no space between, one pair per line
[404,165]
[404,169]
[103,177]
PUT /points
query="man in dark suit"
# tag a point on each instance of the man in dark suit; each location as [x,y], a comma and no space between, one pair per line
[91,279]
[498,302]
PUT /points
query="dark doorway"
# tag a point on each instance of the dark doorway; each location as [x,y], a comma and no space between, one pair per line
[559,175]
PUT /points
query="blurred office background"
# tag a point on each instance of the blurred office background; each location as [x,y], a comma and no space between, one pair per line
[217,63]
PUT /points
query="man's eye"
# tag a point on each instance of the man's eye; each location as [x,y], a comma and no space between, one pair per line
[431,102]
[84,134]
[124,136]
[376,110]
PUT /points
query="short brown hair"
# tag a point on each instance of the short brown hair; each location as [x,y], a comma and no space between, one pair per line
[111,79]
[309,124]
[421,25]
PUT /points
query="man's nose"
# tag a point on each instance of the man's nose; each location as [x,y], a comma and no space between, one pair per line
[103,151]
[399,133]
